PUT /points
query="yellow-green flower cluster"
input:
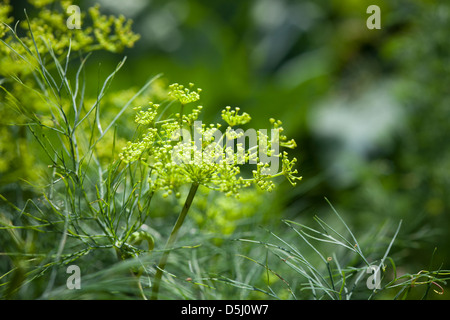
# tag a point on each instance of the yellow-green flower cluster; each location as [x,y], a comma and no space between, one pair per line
[260,177]
[233,118]
[49,28]
[175,159]
[5,11]
[287,167]
[183,94]
[191,117]
[148,116]
[112,33]
[284,142]
[134,150]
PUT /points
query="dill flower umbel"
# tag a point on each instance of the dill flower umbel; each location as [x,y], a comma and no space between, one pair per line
[182,150]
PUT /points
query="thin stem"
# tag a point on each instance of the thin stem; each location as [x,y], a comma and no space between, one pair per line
[141,290]
[171,240]
[181,119]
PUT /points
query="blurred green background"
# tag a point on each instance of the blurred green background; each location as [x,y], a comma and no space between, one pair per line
[369,109]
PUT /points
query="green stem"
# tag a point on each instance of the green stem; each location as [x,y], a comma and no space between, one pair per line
[181,119]
[171,240]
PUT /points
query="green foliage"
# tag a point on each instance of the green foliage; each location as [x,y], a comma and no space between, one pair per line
[81,183]
[299,265]
[81,200]
[84,214]
[20,55]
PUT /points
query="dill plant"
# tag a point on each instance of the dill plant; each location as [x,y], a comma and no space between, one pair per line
[212,163]
[44,91]
[21,99]
[94,205]
[96,200]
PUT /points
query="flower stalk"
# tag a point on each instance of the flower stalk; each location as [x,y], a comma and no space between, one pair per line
[172,239]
